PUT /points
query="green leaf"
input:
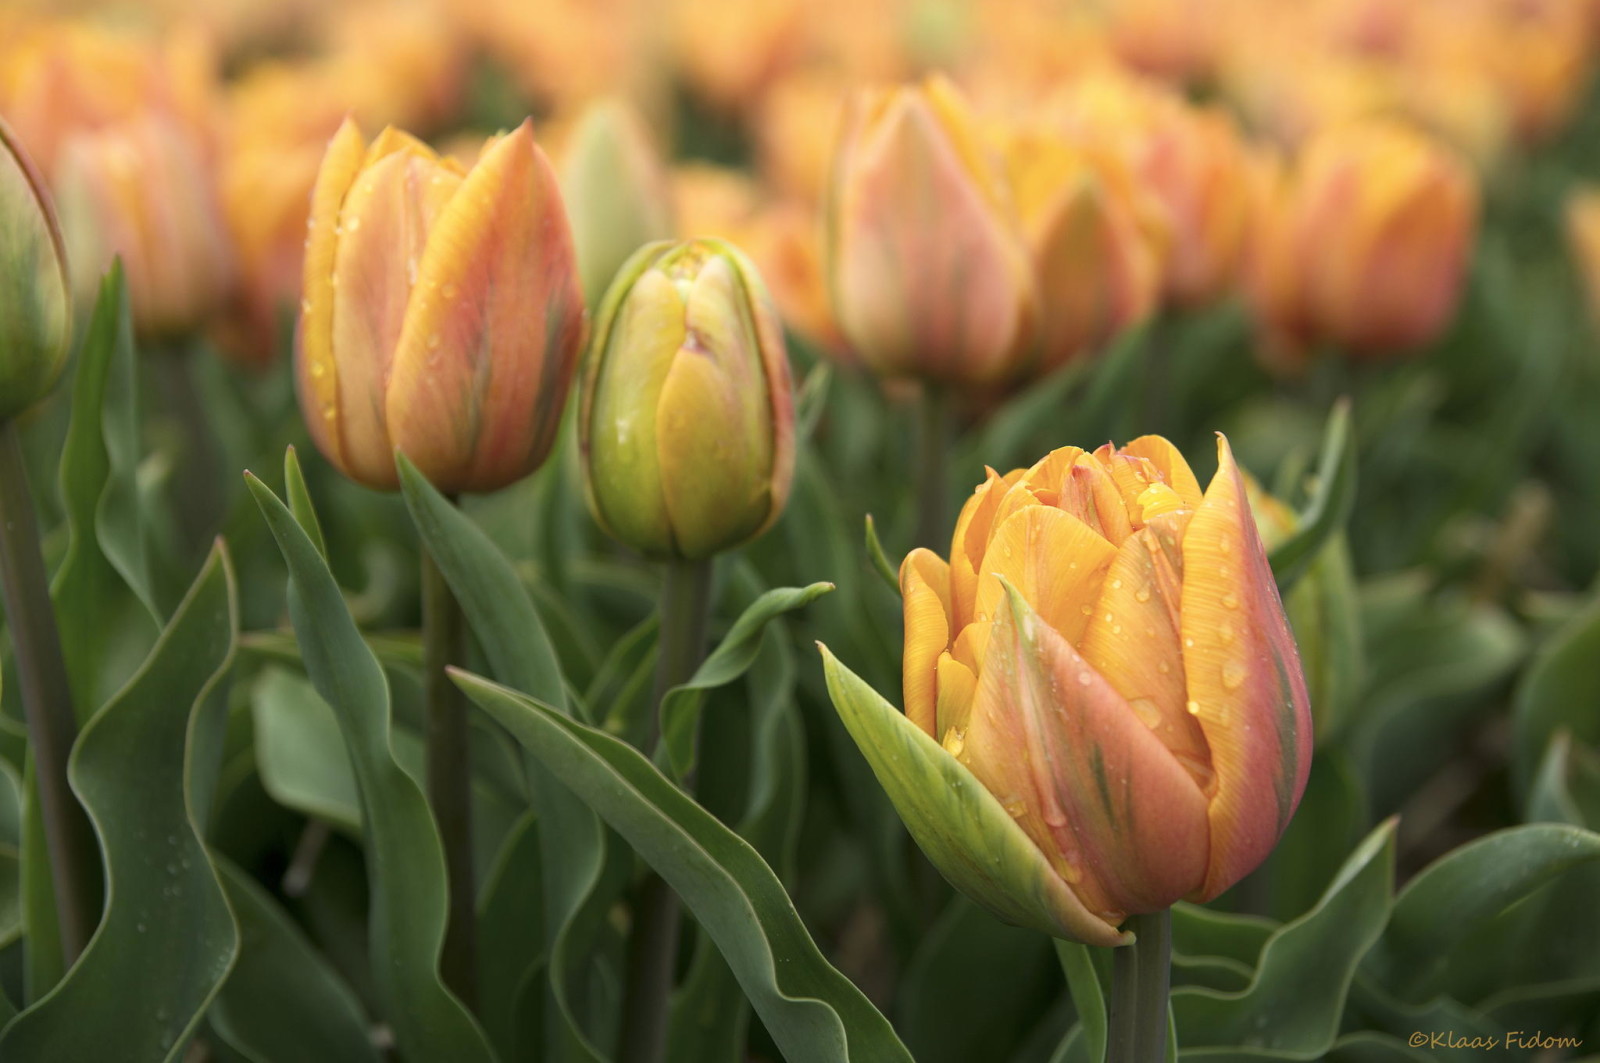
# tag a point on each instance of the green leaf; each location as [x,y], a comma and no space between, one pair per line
[167,938]
[507,625]
[680,708]
[1204,932]
[1332,500]
[811,1010]
[1292,1008]
[511,940]
[1464,890]
[880,561]
[1088,997]
[1559,690]
[811,400]
[284,1003]
[961,826]
[1567,786]
[300,752]
[1370,1047]
[105,557]
[404,859]
[299,498]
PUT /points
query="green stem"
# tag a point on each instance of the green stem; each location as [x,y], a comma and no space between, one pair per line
[933,457]
[1141,975]
[450,774]
[46,699]
[653,945]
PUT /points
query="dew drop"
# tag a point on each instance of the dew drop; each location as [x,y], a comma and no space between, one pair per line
[1116,585]
[955,740]
[1084,679]
[1188,643]
[1163,667]
[1231,600]
[305,306]
[1148,713]
[433,342]
[449,291]
[1233,674]
[1087,610]
[1016,808]
[1142,594]
[1116,629]
[1228,633]
[352,225]
[1193,707]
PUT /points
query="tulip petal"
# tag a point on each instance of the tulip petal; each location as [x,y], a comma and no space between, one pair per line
[960,826]
[492,334]
[1175,471]
[714,411]
[1086,778]
[1132,641]
[1244,679]
[953,705]
[1054,560]
[317,378]
[970,541]
[1089,493]
[925,588]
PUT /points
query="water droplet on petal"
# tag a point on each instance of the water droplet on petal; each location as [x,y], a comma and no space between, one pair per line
[1142,594]
[1233,674]
[1231,600]
[1193,707]
[1084,679]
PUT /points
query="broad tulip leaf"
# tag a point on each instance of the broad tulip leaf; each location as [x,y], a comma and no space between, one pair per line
[1559,690]
[507,625]
[284,1003]
[710,1017]
[511,941]
[624,682]
[300,752]
[1465,889]
[975,984]
[1292,1008]
[962,827]
[1088,999]
[1205,932]
[1370,1047]
[680,708]
[105,557]
[167,938]
[1567,786]
[1332,500]
[405,861]
[811,1010]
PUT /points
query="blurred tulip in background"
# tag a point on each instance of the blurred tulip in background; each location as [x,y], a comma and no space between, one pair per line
[35,299]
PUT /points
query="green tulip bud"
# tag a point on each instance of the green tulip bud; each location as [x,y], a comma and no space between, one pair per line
[35,305]
[687,410]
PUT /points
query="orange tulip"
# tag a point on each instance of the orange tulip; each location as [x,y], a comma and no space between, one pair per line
[1107,653]
[926,263]
[1365,244]
[1098,243]
[144,190]
[1583,239]
[442,313]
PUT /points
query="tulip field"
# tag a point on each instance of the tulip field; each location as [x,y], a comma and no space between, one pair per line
[728,531]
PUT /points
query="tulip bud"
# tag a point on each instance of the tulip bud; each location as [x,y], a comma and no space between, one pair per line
[1366,243]
[1106,653]
[1098,244]
[928,271]
[143,190]
[616,192]
[687,411]
[35,302]
[442,315]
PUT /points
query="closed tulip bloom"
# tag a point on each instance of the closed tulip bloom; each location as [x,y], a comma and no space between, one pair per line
[1098,244]
[35,301]
[687,410]
[1105,650]
[1365,244]
[928,271]
[442,314]
[1583,241]
[144,190]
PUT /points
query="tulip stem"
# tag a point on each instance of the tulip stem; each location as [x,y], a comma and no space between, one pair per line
[46,700]
[653,944]
[1141,975]
[933,457]
[450,774]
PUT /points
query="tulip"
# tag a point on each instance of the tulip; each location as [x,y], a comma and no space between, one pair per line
[616,191]
[35,300]
[1365,244]
[687,410]
[1098,243]
[143,190]
[927,268]
[442,314]
[1106,654]
[1583,241]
